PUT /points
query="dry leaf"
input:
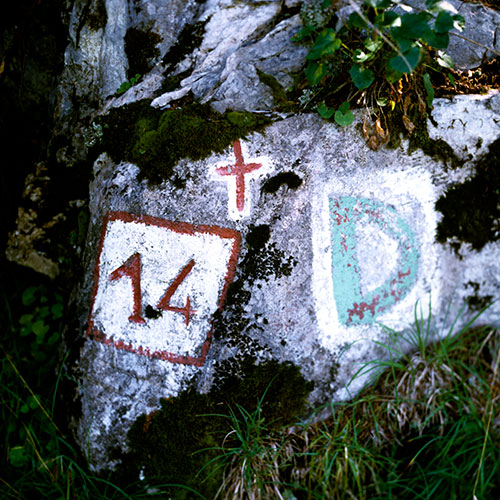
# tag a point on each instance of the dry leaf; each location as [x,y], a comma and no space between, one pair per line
[408,124]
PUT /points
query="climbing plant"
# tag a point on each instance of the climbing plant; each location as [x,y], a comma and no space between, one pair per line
[389,49]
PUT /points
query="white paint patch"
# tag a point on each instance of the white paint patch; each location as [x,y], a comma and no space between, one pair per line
[411,194]
[238,184]
[164,252]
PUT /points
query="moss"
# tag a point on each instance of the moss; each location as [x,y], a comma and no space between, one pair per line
[471,210]
[140,47]
[419,138]
[97,16]
[279,94]
[188,40]
[156,140]
[173,444]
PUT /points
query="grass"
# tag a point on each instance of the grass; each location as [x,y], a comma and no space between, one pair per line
[427,427]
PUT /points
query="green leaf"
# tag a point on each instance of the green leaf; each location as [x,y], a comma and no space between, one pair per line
[53,338]
[373,45]
[452,80]
[26,319]
[386,19]
[43,312]
[315,72]
[344,107]
[326,44]
[356,21]
[29,295]
[414,26]
[344,119]
[429,89]
[444,22]
[382,101]
[407,62]
[26,330]
[437,40]
[361,77]
[18,457]
[24,408]
[325,111]
[57,311]
[40,328]
[32,402]
[392,75]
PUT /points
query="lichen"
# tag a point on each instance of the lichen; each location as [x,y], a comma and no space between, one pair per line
[141,48]
[156,140]
[471,210]
[291,180]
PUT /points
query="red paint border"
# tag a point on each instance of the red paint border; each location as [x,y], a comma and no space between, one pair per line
[181,228]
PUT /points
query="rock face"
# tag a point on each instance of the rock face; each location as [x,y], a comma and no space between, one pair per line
[300,239]
[222,233]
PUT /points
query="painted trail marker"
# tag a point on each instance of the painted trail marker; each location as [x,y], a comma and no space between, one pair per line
[158,283]
[238,175]
[354,306]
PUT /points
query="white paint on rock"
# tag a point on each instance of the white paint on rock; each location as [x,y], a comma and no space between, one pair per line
[412,194]
[266,167]
[164,253]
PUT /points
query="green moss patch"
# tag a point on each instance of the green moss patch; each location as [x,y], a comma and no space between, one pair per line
[471,210]
[175,444]
[156,140]
[140,47]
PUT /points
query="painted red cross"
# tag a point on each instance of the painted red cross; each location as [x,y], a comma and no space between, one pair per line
[239,169]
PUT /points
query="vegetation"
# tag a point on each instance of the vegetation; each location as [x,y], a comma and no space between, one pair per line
[428,427]
[391,53]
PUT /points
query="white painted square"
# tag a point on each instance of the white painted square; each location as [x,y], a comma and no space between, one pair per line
[165,249]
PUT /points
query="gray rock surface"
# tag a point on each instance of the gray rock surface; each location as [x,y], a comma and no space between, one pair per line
[350,249]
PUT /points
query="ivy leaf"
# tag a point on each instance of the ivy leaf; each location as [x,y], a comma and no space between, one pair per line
[326,44]
[361,77]
[444,22]
[407,63]
[429,89]
[315,72]
[26,319]
[325,111]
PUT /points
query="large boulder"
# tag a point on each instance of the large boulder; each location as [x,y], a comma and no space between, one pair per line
[224,235]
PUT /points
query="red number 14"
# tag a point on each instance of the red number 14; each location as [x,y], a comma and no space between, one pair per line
[132,268]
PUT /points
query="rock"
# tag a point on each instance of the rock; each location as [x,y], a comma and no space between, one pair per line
[294,245]
[224,236]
